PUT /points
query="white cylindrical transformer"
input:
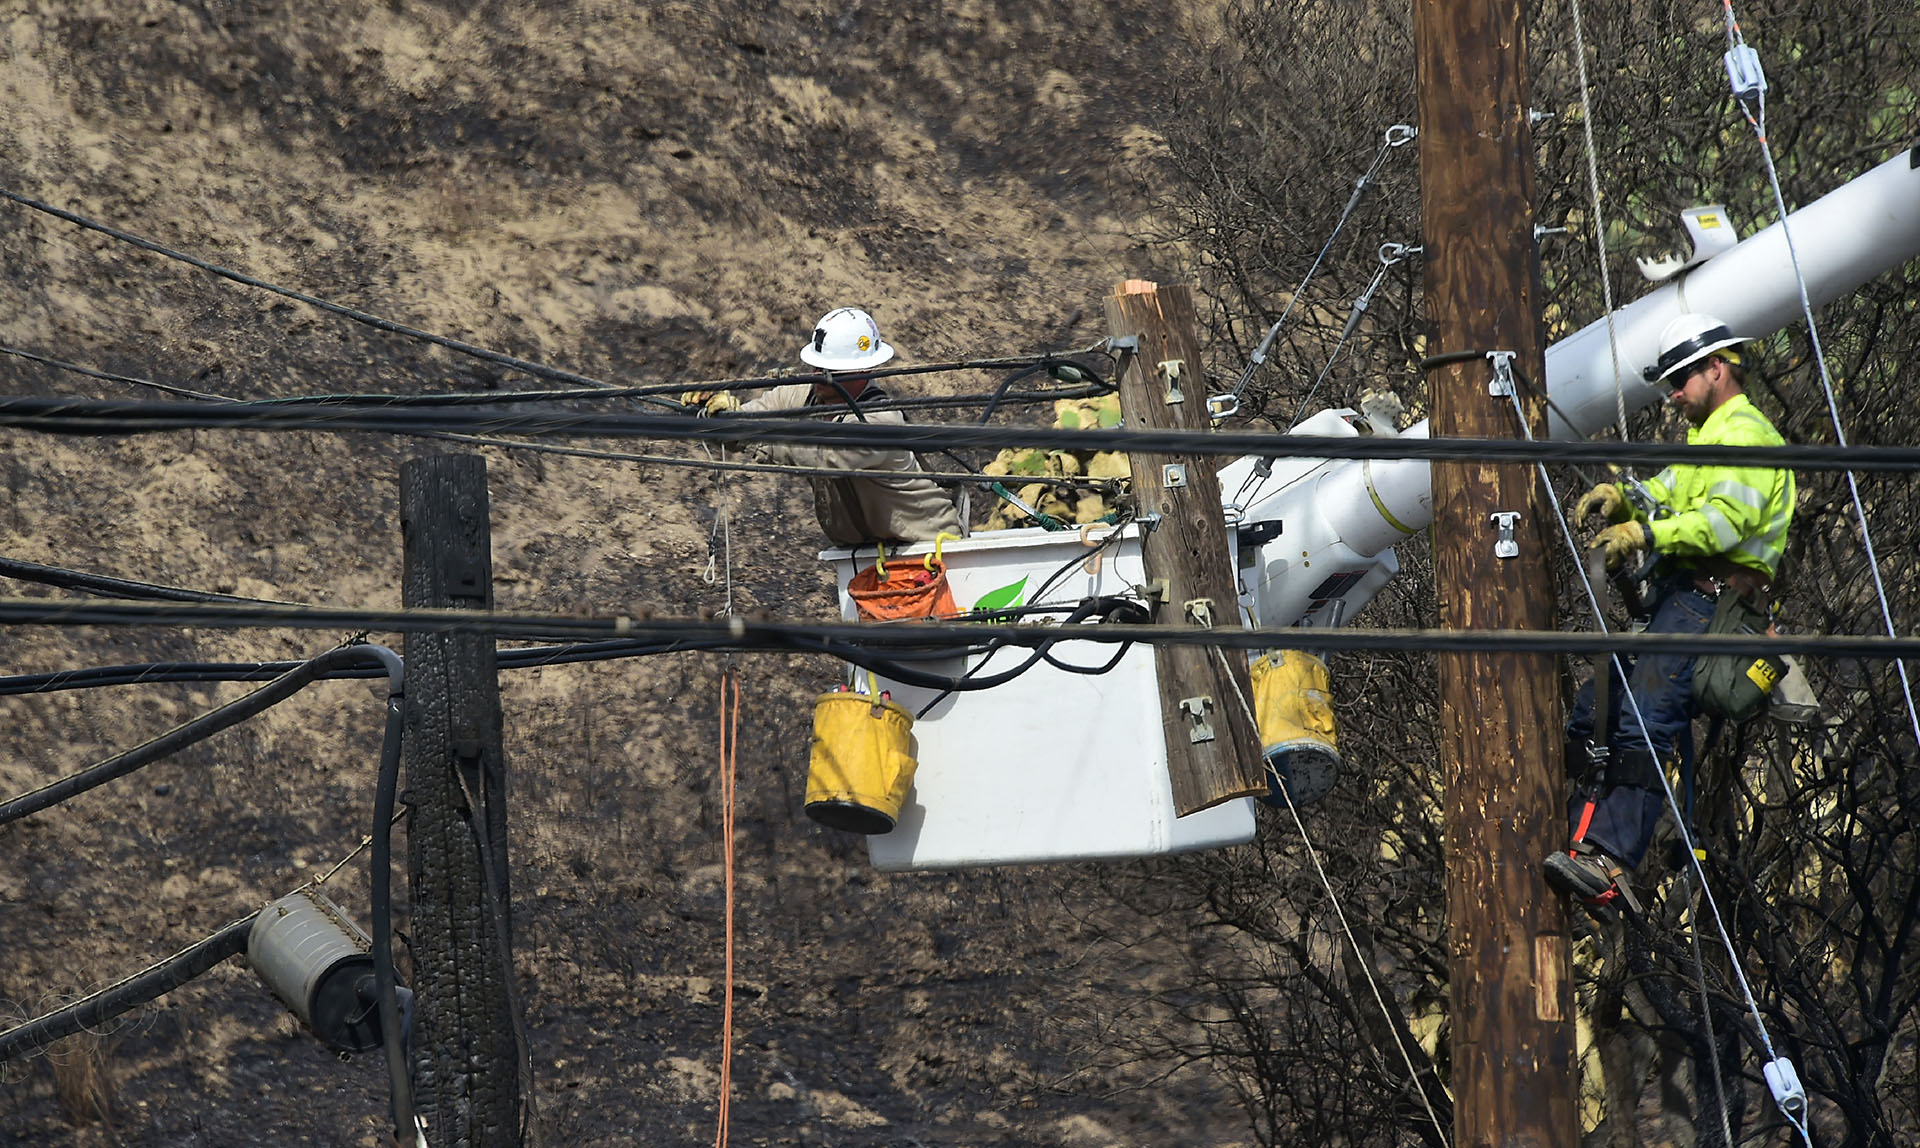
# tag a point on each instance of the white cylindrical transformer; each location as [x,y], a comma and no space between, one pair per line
[319,963]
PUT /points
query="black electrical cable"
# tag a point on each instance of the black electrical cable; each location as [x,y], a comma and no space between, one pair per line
[507,658]
[1106,543]
[111,587]
[970,681]
[181,736]
[1000,391]
[165,976]
[150,983]
[386,786]
[606,393]
[1094,671]
[532,368]
[1446,358]
[739,634]
[121,417]
[108,376]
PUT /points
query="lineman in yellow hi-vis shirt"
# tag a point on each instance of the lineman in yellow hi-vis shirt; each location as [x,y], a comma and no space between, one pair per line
[1718,530]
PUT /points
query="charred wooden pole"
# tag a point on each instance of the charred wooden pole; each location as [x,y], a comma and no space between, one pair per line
[1501,715]
[1213,750]
[465,1049]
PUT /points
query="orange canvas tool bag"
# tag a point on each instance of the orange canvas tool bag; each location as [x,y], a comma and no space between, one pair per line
[886,592]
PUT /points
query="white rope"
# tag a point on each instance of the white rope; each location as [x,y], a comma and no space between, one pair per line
[1413,1074]
[723,529]
[1599,222]
[1713,1042]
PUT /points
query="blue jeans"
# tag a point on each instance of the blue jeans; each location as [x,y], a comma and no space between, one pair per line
[1628,810]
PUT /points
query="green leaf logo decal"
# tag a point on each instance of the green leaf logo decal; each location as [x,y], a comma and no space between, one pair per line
[1003,598]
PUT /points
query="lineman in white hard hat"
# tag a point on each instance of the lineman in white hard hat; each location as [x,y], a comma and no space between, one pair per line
[887,499]
[846,339]
[1718,530]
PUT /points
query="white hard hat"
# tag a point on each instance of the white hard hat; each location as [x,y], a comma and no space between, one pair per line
[846,339]
[1688,339]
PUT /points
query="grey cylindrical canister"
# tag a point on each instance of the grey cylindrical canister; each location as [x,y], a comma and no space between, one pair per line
[319,963]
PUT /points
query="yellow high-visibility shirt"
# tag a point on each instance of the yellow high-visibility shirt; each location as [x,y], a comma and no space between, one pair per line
[1741,512]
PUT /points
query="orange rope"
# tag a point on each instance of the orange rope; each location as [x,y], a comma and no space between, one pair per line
[729,749]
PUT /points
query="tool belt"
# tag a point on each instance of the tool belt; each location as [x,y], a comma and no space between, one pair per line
[1712,575]
[1735,687]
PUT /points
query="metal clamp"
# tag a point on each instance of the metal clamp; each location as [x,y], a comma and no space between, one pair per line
[1173,474]
[1392,253]
[1196,711]
[1171,369]
[1401,134]
[1199,611]
[1127,343]
[1501,385]
[1222,406]
[1504,545]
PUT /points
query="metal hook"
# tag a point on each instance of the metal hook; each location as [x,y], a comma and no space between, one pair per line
[1401,134]
[1392,253]
[1090,564]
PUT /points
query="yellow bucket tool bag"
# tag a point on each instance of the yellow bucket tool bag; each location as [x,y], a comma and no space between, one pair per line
[861,761]
[1292,701]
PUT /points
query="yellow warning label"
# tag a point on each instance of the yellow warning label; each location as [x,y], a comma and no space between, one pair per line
[1708,221]
[1762,674]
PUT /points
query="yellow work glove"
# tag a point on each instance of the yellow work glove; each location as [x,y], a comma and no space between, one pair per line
[1620,541]
[1606,498]
[711,402]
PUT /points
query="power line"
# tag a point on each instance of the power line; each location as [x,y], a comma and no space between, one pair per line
[197,730]
[111,587]
[740,633]
[388,325]
[152,982]
[611,393]
[941,476]
[160,673]
[528,366]
[121,417]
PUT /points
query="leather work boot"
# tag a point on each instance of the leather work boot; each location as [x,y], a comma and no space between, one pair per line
[1589,875]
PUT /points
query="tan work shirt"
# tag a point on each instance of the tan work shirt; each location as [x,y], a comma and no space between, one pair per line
[889,501]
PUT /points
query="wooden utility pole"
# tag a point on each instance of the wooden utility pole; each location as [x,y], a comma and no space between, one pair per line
[1501,717]
[464,1045]
[1213,750]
